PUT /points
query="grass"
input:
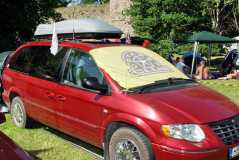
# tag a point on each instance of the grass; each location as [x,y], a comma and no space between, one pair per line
[47,144]
[44,143]
[229,88]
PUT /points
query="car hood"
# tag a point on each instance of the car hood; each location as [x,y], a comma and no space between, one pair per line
[197,104]
[10,151]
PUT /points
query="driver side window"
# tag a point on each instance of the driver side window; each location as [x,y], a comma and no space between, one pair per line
[79,66]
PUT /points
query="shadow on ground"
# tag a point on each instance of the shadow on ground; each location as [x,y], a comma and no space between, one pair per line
[34,153]
[76,141]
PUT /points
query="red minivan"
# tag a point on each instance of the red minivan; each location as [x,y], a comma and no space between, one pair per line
[125,99]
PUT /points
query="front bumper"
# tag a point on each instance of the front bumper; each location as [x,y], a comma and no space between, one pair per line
[166,153]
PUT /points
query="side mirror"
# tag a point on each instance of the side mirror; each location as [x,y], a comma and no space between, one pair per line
[2,118]
[92,83]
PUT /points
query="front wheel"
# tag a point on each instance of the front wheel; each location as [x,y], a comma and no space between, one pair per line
[129,144]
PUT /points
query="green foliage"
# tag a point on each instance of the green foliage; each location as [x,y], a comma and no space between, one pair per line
[20,18]
[162,47]
[88,1]
[94,1]
[224,16]
[167,19]
[105,1]
[180,49]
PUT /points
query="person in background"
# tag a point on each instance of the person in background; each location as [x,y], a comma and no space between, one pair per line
[180,65]
[202,72]
[233,75]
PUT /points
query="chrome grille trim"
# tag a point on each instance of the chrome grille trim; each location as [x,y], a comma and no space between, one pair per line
[227,130]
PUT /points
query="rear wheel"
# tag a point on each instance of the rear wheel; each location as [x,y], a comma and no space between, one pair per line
[18,113]
[129,144]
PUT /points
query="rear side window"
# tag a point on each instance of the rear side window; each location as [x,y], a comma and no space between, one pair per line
[22,62]
[39,62]
[45,65]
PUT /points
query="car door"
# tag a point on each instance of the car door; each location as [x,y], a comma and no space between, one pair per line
[81,109]
[42,84]
[18,76]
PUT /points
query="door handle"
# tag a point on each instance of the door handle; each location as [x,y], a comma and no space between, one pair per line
[60,98]
[50,94]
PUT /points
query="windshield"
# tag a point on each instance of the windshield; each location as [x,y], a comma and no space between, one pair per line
[133,66]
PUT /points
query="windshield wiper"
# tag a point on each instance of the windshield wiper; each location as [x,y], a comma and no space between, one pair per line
[163,83]
[173,80]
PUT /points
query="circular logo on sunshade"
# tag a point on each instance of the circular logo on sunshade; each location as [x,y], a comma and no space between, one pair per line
[141,64]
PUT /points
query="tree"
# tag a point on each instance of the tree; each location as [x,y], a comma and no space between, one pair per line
[167,19]
[224,15]
[20,18]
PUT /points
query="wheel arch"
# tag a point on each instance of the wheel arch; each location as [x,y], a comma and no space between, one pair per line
[115,121]
[14,92]
[13,95]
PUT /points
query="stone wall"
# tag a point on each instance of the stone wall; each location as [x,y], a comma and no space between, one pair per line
[117,15]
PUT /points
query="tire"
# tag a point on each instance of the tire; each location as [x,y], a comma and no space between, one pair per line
[18,113]
[132,139]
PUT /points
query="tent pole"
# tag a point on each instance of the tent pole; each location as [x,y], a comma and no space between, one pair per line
[194,56]
[209,54]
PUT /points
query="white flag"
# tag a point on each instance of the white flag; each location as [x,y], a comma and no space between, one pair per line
[128,39]
[54,42]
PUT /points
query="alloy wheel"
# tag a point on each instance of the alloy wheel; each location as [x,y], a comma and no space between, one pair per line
[126,149]
[18,115]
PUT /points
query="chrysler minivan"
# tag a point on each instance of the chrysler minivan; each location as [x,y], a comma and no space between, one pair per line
[124,99]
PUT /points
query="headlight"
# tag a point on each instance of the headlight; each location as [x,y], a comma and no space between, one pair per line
[189,132]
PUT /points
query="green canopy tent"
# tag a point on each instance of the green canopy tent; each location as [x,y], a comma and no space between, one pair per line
[209,38]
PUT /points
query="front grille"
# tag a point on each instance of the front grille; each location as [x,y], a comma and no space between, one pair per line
[227,130]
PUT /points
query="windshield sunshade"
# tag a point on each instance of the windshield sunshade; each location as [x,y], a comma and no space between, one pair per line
[132,66]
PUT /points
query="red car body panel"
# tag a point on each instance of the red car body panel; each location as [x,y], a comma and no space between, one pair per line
[189,105]
[40,99]
[80,112]
[86,114]
[8,149]
[170,154]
